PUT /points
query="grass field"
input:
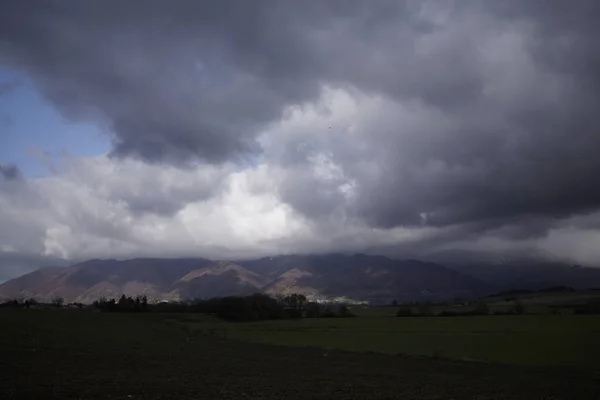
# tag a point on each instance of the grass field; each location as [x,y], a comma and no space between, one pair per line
[67,354]
[520,339]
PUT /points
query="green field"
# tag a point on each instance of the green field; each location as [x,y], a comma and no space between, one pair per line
[68,354]
[520,339]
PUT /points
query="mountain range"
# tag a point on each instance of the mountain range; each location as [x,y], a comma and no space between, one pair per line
[376,279]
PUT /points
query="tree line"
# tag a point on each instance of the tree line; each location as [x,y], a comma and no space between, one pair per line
[480,308]
[231,308]
[55,302]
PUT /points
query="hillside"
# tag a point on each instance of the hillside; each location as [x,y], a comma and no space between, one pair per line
[375,278]
[361,277]
[531,274]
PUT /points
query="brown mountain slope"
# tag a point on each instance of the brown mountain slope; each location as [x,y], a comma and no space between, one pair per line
[220,279]
[291,281]
[87,281]
[32,284]
[374,278]
[362,277]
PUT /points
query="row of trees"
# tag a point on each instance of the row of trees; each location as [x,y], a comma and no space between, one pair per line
[124,304]
[231,308]
[513,294]
[592,307]
[480,308]
[56,302]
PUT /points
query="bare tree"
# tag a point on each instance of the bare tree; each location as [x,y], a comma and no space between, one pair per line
[58,301]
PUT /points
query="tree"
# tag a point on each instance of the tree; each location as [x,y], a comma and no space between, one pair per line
[296,302]
[126,303]
[313,310]
[481,308]
[11,303]
[58,301]
[395,303]
[345,312]
[301,301]
[424,310]
[122,303]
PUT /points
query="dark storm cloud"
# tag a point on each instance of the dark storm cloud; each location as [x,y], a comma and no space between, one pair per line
[506,130]
[182,79]
[173,80]
[517,149]
[166,201]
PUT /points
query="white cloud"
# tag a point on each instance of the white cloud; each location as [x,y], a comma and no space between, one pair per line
[320,160]
[85,211]
[580,245]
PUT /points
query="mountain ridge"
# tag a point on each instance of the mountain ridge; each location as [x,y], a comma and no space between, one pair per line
[373,278]
[361,277]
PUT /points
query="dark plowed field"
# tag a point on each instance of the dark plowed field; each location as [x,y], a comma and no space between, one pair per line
[83,355]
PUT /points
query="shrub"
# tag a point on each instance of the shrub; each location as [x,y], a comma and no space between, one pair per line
[404,312]
[425,310]
[592,307]
[313,310]
[448,313]
[344,312]
[481,308]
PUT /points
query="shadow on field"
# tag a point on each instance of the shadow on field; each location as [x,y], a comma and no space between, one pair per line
[66,354]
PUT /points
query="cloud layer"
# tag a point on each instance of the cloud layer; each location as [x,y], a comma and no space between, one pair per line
[246,128]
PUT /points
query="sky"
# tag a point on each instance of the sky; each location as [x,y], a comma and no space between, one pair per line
[34,134]
[235,129]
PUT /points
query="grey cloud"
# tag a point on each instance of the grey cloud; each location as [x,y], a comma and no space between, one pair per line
[21,218]
[10,172]
[185,79]
[13,264]
[518,147]
[167,201]
[489,109]
[173,80]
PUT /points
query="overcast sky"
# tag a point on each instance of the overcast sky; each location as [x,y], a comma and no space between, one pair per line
[232,129]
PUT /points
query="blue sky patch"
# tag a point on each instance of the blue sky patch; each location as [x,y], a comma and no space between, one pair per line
[32,132]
